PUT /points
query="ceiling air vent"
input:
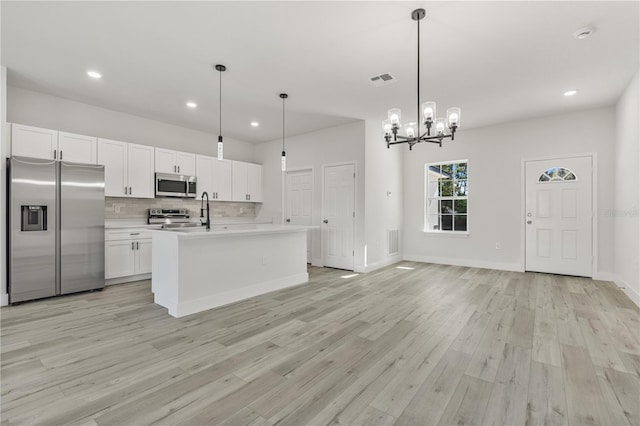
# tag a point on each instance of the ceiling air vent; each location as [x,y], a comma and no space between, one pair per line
[382,79]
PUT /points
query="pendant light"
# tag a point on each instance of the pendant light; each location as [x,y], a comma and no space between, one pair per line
[283,96]
[444,128]
[220,69]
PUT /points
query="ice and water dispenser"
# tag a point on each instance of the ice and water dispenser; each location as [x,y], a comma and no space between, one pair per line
[34,218]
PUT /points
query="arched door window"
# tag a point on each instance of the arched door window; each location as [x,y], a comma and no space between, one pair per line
[557,174]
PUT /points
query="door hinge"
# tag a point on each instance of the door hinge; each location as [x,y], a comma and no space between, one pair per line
[354,175]
[353,252]
[354,214]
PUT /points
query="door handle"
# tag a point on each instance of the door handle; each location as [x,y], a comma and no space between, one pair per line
[288,220]
[325,221]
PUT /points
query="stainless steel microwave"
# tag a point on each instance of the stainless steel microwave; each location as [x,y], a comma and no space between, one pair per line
[168,185]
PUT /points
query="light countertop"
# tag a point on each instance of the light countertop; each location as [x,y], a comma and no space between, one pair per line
[218,230]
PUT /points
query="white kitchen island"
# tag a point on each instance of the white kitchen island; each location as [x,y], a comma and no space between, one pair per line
[194,269]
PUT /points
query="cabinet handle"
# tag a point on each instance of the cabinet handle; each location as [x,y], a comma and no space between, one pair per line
[134,233]
[137,245]
[129,190]
[54,154]
[125,190]
[178,169]
[61,155]
[132,245]
[174,168]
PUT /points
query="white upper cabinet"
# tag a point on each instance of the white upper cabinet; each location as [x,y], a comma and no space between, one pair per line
[214,177]
[77,148]
[140,171]
[35,142]
[128,169]
[247,182]
[113,154]
[170,161]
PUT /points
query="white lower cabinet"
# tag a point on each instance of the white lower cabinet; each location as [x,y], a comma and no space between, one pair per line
[127,253]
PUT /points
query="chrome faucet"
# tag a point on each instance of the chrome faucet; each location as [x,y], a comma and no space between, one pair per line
[208,222]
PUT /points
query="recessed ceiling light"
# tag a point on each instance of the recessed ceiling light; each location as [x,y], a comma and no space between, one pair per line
[583,33]
[192,104]
[570,92]
[254,124]
[94,74]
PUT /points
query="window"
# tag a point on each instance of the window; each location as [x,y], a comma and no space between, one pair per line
[557,174]
[446,197]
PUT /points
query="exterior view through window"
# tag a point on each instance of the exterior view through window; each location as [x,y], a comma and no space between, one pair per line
[446,196]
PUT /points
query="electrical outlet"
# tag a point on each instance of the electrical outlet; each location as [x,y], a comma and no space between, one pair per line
[117,207]
[498,246]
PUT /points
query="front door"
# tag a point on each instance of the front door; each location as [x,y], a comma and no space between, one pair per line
[558,216]
[298,201]
[338,216]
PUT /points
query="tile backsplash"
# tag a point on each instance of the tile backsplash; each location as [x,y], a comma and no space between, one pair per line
[137,208]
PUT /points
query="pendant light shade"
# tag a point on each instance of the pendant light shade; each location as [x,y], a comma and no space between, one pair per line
[220,69]
[283,165]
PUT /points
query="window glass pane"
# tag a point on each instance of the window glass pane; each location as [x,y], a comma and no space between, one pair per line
[446,206]
[432,189]
[461,188]
[543,178]
[446,221]
[557,174]
[460,206]
[461,171]
[433,223]
[460,222]
[447,170]
[446,188]
[570,176]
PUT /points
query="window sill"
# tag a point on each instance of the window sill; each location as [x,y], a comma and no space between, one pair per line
[446,234]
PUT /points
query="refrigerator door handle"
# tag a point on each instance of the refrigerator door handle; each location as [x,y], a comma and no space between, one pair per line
[54,154]
[60,155]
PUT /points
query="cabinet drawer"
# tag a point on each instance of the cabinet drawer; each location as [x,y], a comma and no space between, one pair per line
[126,234]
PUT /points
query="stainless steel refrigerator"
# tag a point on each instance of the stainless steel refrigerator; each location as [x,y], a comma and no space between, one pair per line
[55,228]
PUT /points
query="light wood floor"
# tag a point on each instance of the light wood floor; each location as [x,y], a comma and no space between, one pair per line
[430,345]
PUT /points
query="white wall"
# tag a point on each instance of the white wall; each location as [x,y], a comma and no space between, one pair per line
[42,110]
[626,198]
[495,157]
[313,150]
[383,196]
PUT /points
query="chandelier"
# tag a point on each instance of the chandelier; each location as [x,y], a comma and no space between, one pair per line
[442,128]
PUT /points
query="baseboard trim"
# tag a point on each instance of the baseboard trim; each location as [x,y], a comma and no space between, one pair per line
[220,299]
[626,289]
[317,261]
[513,267]
[380,264]
[4,299]
[127,279]
[605,276]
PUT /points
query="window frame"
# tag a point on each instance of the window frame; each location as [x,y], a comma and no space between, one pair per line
[454,197]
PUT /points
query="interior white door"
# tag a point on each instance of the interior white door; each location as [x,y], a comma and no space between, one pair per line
[298,202]
[338,216]
[558,216]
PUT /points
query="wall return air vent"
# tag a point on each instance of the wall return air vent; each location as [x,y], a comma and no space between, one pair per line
[382,79]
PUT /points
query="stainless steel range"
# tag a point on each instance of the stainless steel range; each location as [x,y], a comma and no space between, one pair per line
[171,218]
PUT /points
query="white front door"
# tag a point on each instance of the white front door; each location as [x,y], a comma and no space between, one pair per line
[338,208]
[558,216]
[298,201]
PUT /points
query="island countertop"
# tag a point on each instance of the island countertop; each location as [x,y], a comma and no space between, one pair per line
[218,231]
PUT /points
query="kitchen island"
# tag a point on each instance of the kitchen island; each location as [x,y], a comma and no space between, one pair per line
[194,269]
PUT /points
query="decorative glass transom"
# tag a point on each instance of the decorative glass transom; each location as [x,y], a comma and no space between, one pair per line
[557,174]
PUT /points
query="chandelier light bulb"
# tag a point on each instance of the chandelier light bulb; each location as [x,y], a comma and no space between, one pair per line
[410,130]
[440,126]
[429,111]
[453,116]
[395,116]
[220,151]
[386,127]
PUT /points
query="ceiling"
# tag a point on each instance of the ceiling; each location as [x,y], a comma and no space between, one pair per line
[499,61]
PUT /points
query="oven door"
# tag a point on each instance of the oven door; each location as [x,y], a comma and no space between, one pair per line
[170,185]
